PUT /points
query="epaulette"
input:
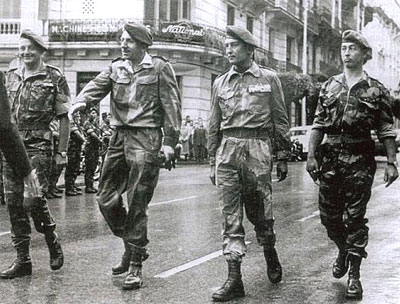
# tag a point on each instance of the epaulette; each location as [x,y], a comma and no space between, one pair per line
[267,68]
[54,67]
[116,59]
[160,57]
[12,69]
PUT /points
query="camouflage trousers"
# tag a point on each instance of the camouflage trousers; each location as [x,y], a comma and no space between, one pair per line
[38,209]
[92,153]
[73,165]
[345,188]
[131,165]
[243,178]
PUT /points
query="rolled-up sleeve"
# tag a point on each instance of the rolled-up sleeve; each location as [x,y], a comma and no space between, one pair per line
[171,102]
[385,128]
[63,97]
[320,113]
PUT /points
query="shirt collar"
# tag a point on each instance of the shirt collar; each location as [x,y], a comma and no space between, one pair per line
[341,78]
[41,70]
[254,69]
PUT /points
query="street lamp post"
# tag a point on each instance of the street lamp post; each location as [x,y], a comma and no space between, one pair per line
[304,63]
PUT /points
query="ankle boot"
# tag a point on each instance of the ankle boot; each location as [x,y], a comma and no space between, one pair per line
[134,278]
[123,265]
[233,286]
[274,268]
[55,250]
[341,265]
[354,288]
[22,266]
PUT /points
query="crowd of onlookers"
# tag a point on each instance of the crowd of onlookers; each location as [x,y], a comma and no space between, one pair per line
[192,141]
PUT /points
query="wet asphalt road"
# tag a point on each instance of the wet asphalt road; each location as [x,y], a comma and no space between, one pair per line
[185,265]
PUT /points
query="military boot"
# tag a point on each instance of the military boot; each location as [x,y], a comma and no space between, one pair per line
[55,250]
[22,266]
[274,268]
[123,265]
[354,288]
[233,286]
[341,265]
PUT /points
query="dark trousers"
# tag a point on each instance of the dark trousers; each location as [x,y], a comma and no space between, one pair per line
[131,165]
[92,153]
[346,180]
[39,210]
[73,165]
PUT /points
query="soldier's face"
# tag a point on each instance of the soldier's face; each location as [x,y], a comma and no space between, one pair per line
[130,48]
[29,52]
[352,55]
[236,52]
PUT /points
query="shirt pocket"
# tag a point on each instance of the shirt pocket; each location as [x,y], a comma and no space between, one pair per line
[227,103]
[41,96]
[146,88]
[258,102]
[120,88]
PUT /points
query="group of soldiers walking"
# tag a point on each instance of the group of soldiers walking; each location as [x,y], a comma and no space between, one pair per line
[248,125]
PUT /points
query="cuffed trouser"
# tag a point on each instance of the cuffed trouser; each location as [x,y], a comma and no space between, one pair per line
[345,189]
[243,177]
[39,210]
[131,165]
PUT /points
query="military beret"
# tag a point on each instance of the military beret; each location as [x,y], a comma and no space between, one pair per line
[241,34]
[139,32]
[355,37]
[28,34]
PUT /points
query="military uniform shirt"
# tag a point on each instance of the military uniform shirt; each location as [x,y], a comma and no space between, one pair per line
[253,100]
[354,111]
[145,97]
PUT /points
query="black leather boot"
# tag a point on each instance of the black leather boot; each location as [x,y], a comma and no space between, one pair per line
[55,250]
[233,286]
[123,265]
[274,268]
[134,278]
[22,266]
[354,288]
[341,265]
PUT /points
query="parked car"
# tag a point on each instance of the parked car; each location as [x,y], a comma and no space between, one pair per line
[301,134]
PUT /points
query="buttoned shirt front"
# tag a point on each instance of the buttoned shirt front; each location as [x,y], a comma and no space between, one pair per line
[356,110]
[254,100]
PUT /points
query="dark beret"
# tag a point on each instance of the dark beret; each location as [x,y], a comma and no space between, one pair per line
[241,34]
[139,32]
[355,37]
[28,34]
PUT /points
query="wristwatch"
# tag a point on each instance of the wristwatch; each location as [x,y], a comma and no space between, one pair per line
[63,154]
[392,163]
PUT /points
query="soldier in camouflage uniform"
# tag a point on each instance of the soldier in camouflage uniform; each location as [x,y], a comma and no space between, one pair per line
[92,149]
[248,120]
[350,105]
[145,105]
[76,140]
[37,93]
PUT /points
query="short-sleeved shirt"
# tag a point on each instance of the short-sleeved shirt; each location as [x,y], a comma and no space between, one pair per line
[253,99]
[36,101]
[356,110]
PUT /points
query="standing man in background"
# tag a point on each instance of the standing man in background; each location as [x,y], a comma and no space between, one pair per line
[38,94]
[146,114]
[248,115]
[350,105]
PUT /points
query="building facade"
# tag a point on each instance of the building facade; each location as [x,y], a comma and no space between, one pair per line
[83,37]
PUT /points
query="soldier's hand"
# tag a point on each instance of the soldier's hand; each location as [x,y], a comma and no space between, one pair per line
[391,174]
[281,170]
[212,174]
[312,168]
[169,154]
[32,185]
[61,161]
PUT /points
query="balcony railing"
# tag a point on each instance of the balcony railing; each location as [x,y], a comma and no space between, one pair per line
[10,27]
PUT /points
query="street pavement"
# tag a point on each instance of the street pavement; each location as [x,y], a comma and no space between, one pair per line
[185,263]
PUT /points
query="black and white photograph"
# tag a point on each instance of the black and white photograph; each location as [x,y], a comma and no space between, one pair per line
[199,151]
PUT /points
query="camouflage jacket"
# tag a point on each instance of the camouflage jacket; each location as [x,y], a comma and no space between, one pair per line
[92,126]
[147,96]
[36,100]
[252,100]
[355,111]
